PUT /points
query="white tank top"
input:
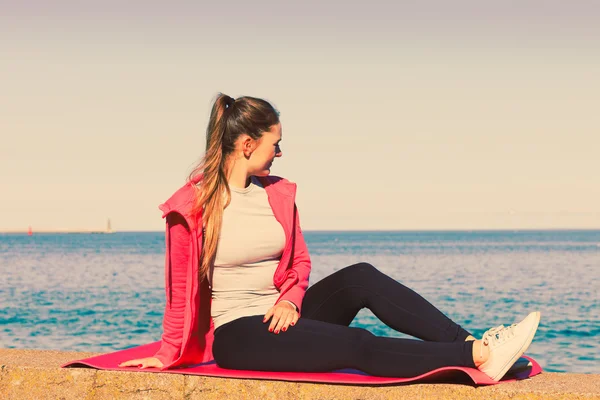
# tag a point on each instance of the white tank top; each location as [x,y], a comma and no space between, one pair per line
[248,252]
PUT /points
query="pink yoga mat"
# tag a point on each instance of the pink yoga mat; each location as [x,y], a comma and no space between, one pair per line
[111,361]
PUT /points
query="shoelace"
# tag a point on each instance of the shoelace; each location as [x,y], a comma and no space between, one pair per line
[496,335]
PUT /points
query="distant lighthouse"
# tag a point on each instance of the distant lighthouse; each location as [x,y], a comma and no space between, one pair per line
[108,227]
[29,231]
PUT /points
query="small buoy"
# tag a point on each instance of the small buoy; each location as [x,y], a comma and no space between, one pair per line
[29,231]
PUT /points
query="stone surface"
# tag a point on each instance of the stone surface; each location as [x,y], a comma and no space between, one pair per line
[137,385]
[36,374]
[45,383]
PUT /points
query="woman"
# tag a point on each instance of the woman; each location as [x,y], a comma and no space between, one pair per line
[237,269]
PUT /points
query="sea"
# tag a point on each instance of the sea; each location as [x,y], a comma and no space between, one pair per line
[105,292]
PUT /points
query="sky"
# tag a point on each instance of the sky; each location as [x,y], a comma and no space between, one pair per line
[396,115]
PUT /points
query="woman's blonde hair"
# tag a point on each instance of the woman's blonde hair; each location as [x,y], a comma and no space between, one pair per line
[229,119]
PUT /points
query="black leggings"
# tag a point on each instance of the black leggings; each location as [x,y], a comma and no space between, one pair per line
[321,340]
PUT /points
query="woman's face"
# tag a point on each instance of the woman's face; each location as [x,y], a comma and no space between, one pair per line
[267,149]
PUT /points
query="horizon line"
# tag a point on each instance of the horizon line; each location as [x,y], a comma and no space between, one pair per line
[68,231]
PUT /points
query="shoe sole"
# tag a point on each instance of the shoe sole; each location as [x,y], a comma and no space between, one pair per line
[519,366]
[518,355]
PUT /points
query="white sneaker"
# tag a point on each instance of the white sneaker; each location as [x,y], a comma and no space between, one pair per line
[507,344]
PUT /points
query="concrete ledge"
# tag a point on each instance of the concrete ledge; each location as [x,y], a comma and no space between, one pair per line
[35,374]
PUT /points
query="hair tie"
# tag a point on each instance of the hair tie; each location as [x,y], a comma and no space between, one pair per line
[229,103]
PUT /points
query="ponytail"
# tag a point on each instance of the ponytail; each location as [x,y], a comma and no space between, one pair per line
[229,118]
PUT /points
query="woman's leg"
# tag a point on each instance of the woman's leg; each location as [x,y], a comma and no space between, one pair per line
[338,298]
[316,346]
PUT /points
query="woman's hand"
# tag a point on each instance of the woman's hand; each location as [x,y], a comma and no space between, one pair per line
[283,314]
[148,362]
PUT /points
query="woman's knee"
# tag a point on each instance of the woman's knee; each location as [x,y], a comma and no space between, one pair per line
[360,271]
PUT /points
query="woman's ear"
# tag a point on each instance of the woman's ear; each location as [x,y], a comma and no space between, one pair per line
[248,146]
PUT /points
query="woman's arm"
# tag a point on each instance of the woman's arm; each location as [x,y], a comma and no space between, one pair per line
[177,241]
[176,264]
[301,266]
